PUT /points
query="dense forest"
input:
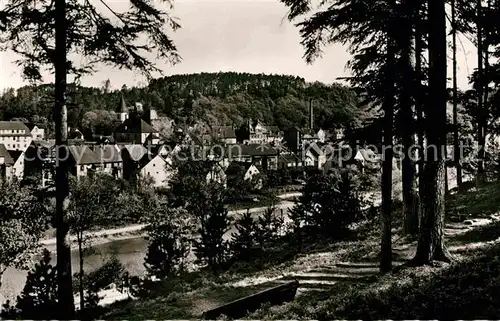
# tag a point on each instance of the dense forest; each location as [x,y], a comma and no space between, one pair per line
[215,98]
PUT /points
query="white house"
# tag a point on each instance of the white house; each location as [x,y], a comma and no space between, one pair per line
[367,157]
[156,170]
[243,170]
[314,156]
[15,135]
[17,169]
[37,132]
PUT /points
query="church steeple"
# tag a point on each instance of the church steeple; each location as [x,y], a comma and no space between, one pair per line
[122,109]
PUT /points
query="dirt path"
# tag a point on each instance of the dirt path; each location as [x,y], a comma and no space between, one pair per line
[322,271]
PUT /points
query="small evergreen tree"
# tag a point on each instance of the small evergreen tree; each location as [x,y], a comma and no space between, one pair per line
[268,226]
[297,216]
[38,299]
[211,248]
[243,242]
[329,204]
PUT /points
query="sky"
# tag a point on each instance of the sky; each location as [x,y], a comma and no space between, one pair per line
[233,35]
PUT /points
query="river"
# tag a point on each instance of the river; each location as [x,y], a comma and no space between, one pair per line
[130,252]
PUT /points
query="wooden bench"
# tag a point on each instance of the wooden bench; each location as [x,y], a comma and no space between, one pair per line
[241,307]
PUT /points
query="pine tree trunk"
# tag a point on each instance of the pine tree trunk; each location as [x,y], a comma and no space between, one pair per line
[431,237]
[419,96]
[481,135]
[456,150]
[80,276]
[64,275]
[388,106]
[409,179]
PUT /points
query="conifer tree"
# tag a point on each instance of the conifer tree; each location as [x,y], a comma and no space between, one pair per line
[243,241]
[45,33]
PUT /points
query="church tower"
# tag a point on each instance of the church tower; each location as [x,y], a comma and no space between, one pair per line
[122,109]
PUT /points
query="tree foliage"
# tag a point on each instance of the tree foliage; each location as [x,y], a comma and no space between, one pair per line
[329,203]
[276,100]
[24,219]
[170,231]
[38,299]
[243,242]
[213,220]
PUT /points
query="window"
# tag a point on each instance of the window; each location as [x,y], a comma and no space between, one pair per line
[82,167]
[154,165]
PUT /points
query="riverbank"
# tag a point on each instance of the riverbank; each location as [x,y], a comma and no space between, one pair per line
[137,230]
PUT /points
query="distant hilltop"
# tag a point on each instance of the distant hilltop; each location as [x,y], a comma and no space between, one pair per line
[225,98]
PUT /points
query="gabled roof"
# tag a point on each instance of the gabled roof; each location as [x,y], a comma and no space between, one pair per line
[16,154]
[15,125]
[44,143]
[4,153]
[288,158]
[315,149]
[135,125]
[108,154]
[238,168]
[83,155]
[148,158]
[135,151]
[250,150]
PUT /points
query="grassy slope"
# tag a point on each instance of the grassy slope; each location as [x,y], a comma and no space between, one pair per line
[467,289]
[473,282]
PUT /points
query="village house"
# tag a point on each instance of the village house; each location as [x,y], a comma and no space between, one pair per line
[314,155]
[15,135]
[261,155]
[18,166]
[223,134]
[367,158]
[37,131]
[135,157]
[6,164]
[288,160]
[133,129]
[254,132]
[246,170]
[82,161]
[110,160]
[157,171]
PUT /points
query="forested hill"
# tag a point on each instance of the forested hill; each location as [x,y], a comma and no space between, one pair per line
[216,98]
